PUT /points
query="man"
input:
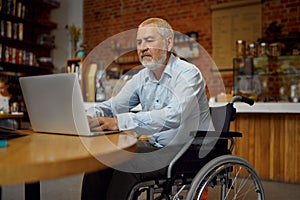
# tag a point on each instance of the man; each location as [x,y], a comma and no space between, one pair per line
[172,95]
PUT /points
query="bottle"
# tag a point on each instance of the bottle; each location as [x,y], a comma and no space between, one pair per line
[100,94]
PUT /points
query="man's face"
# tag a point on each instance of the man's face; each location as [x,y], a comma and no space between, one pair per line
[151,47]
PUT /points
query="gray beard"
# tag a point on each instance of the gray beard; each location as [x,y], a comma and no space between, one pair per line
[155,64]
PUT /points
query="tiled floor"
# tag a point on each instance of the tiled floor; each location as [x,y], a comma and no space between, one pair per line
[69,189]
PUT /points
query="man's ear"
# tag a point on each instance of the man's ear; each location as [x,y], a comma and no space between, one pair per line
[170,43]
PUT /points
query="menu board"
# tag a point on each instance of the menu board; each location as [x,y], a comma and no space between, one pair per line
[233,22]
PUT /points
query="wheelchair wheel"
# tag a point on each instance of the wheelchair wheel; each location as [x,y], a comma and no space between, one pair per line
[227,177]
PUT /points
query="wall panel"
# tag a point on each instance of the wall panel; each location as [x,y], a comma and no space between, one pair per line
[270,143]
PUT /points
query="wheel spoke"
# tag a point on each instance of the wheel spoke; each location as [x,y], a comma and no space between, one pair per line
[231,177]
[233,182]
[241,186]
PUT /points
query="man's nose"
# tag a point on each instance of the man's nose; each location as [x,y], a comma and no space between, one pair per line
[143,46]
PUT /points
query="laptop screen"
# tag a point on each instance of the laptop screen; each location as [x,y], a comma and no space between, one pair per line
[55,104]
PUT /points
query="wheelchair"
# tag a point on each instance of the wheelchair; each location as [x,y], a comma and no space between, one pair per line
[217,175]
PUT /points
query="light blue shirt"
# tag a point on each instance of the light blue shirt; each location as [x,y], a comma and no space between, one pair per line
[171,107]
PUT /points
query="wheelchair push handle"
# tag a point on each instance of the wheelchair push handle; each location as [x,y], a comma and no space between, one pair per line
[242,99]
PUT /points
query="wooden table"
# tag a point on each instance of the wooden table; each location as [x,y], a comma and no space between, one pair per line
[40,156]
[11,116]
[16,116]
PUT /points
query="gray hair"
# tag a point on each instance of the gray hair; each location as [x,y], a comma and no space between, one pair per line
[164,28]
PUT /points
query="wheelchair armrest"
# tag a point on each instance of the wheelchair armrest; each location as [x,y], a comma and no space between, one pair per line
[216,134]
[228,135]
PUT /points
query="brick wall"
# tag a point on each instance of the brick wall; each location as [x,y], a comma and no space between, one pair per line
[105,18]
[285,12]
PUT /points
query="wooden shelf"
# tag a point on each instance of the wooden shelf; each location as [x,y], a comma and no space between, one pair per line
[25,69]
[33,22]
[50,4]
[24,44]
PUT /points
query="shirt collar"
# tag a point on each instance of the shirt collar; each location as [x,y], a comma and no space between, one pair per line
[167,70]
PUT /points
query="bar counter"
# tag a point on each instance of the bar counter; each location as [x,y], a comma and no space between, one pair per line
[269,108]
[271,139]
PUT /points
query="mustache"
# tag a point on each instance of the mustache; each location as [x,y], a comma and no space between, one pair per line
[145,54]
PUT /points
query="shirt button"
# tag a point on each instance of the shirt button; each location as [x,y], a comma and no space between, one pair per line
[157,101]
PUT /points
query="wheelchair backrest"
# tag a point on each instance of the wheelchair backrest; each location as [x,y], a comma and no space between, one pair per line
[222,115]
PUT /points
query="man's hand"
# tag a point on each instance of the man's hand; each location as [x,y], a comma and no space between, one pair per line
[103,123]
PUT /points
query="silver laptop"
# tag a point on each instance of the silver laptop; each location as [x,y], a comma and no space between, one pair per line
[55,104]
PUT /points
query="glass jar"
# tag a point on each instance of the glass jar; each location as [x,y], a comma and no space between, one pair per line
[263,49]
[240,48]
[275,49]
[252,50]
